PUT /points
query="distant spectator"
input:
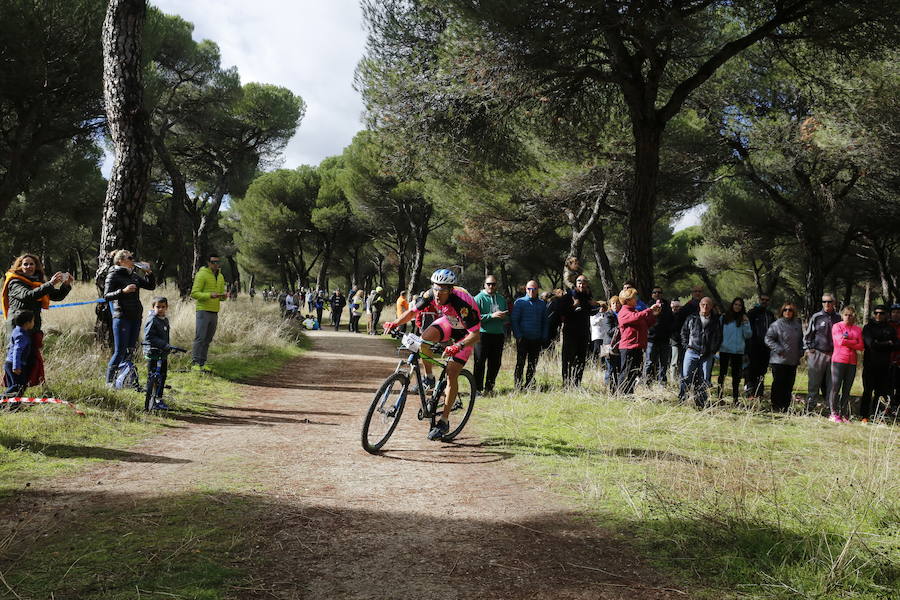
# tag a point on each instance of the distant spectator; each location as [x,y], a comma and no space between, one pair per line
[598,330]
[319,304]
[611,339]
[761,318]
[818,346]
[310,298]
[290,306]
[401,306]
[122,288]
[337,303]
[376,303]
[634,325]
[701,337]
[895,365]
[785,341]
[691,307]
[639,304]
[208,291]
[736,333]
[530,327]
[848,340]
[25,288]
[880,339]
[659,348]
[575,309]
[19,353]
[489,349]
[356,308]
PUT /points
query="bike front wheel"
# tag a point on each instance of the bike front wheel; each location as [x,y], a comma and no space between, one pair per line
[462,405]
[384,413]
[150,393]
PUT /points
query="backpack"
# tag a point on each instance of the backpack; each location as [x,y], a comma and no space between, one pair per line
[127,377]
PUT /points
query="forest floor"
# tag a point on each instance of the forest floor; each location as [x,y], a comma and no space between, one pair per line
[275,498]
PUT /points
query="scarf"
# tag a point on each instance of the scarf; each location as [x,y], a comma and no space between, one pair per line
[10,275]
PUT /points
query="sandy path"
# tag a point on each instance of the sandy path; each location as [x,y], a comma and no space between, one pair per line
[424,520]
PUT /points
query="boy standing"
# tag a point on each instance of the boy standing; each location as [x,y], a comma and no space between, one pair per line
[156,346]
[17,357]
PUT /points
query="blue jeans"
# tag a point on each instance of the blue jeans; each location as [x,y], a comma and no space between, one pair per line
[656,368]
[696,375]
[125,335]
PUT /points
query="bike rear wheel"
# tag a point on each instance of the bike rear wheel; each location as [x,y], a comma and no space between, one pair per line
[151,392]
[384,413]
[462,405]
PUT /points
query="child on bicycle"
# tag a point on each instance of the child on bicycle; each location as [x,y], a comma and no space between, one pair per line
[156,345]
[17,357]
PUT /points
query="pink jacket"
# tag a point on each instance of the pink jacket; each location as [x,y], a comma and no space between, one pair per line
[633,326]
[845,347]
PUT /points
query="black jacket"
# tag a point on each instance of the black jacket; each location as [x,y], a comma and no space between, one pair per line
[337,302]
[576,321]
[156,333]
[662,329]
[880,340]
[126,306]
[760,320]
[703,340]
[24,297]
[691,307]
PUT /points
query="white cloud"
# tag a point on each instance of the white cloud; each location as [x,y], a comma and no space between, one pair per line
[308,46]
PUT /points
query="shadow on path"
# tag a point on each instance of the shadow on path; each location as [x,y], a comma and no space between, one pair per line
[67,451]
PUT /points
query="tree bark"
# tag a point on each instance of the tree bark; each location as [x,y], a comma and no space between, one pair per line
[604,268]
[129,128]
[639,242]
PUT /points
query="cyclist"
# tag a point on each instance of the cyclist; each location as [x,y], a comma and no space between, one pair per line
[459,323]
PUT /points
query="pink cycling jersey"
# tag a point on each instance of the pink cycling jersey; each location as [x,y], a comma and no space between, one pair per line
[461,310]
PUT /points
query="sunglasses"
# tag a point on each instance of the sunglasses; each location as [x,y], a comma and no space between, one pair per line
[880,312]
[827,301]
[490,283]
[438,289]
[788,310]
[215,262]
[129,258]
[530,289]
[657,291]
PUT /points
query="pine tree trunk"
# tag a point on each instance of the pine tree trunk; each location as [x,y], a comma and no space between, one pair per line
[129,128]
[639,243]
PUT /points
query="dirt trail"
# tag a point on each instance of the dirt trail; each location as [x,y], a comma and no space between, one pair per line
[424,520]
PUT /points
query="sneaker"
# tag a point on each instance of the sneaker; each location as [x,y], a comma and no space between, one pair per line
[439,431]
[160,405]
[205,369]
[835,418]
[428,382]
[196,368]
[864,420]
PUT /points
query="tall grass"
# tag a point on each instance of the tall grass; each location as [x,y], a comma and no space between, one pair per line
[251,339]
[746,503]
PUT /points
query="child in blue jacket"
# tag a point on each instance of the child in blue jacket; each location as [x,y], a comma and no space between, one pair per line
[19,354]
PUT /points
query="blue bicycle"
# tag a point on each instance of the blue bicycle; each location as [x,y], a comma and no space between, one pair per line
[155,380]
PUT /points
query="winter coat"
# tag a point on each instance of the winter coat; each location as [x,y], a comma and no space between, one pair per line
[156,333]
[337,302]
[880,339]
[665,323]
[691,307]
[205,284]
[845,348]
[529,319]
[32,295]
[487,305]
[576,320]
[126,306]
[785,339]
[734,336]
[705,341]
[818,331]
[760,321]
[633,327]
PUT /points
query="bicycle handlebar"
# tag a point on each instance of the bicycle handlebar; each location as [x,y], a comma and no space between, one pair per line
[435,346]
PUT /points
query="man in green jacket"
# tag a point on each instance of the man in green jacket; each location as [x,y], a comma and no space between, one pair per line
[489,349]
[208,291]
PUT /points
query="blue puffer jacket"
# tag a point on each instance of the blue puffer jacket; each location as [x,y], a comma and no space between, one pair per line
[735,336]
[529,319]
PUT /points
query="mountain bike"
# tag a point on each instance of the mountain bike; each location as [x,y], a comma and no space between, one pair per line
[154,375]
[387,406]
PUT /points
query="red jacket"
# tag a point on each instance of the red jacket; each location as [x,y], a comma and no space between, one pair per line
[633,326]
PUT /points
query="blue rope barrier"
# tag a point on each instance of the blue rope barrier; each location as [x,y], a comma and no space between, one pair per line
[97,301]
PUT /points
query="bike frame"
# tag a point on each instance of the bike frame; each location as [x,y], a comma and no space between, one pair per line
[412,364]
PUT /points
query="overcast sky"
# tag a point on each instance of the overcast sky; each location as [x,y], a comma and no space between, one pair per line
[310,47]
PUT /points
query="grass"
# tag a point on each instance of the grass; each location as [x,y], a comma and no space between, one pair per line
[742,504]
[49,440]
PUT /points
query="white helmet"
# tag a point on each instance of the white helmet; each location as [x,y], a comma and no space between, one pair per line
[443,277]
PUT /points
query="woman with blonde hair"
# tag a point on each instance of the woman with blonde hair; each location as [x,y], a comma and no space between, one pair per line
[122,290]
[848,340]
